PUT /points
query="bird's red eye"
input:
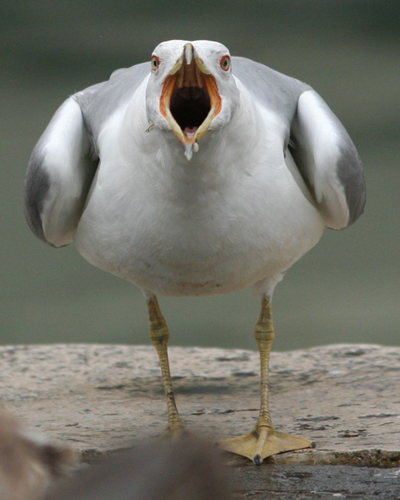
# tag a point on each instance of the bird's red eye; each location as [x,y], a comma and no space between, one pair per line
[225,63]
[155,63]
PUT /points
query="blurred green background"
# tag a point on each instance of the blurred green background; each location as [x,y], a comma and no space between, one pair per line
[344,290]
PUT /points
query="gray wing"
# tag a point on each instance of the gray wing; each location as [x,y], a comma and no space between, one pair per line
[64,161]
[60,171]
[323,152]
[328,161]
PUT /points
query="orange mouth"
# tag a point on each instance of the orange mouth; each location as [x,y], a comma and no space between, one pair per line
[190,99]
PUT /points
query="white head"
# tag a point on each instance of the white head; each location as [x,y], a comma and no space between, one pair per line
[191,90]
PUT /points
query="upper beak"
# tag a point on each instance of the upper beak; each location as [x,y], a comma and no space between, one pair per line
[190,99]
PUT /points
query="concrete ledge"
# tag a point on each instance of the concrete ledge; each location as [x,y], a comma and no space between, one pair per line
[103,397]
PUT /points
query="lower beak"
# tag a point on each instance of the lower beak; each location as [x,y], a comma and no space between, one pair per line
[190,99]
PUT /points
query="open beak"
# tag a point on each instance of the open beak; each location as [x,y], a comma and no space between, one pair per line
[190,99]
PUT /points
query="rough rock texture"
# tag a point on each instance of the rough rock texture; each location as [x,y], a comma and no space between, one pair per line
[102,397]
[317,482]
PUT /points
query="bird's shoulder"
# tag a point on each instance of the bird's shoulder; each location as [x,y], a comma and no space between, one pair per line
[269,87]
[98,102]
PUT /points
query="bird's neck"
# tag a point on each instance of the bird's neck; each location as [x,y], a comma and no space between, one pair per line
[220,150]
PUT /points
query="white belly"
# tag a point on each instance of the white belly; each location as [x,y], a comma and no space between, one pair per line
[189,233]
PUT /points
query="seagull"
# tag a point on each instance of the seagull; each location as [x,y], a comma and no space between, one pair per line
[197,174]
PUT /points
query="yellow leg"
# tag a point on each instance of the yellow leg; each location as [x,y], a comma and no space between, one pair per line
[159,335]
[264,440]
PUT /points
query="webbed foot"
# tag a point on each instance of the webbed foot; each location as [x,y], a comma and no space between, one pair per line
[260,444]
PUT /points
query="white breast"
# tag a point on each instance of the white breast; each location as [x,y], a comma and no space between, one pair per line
[217,224]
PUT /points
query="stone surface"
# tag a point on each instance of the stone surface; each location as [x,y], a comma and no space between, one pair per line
[318,482]
[346,398]
[102,397]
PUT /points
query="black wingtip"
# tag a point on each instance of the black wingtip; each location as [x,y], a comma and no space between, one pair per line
[257,459]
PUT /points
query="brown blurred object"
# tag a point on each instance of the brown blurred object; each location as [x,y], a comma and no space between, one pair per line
[182,470]
[29,461]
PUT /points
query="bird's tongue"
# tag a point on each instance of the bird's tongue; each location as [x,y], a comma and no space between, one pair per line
[190,132]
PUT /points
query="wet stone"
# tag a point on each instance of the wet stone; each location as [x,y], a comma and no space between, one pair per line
[346,398]
[317,482]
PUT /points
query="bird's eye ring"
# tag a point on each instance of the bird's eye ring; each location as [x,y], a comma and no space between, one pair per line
[225,63]
[155,63]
